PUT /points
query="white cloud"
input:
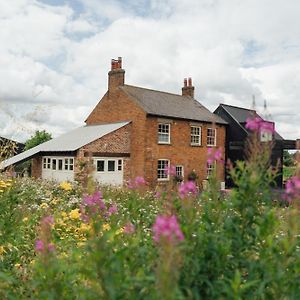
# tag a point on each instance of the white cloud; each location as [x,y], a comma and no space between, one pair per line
[58,57]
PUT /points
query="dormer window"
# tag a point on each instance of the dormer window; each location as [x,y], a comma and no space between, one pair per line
[164,133]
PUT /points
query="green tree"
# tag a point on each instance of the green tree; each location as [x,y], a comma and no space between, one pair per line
[37,138]
[288,160]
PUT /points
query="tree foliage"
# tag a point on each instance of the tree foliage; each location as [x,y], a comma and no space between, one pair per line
[37,138]
[288,159]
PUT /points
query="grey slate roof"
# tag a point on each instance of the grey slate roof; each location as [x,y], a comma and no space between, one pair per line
[170,105]
[241,115]
[70,141]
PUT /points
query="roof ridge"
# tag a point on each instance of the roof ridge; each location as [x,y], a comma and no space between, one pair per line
[234,106]
[152,90]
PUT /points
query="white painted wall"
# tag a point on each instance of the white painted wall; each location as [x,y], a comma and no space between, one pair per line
[58,168]
[108,170]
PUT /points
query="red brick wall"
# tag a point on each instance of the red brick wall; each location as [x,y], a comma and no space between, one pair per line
[116,106]
[179,152]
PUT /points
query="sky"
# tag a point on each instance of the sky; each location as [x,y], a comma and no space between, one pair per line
[55,56]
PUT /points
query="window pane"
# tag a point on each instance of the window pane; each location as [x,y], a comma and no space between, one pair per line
[53,164]
[100,165]
[164,133]
[66,163]
[48,163]
[111,165]
[120,165]
[71,163]
[162,166]
[60,164]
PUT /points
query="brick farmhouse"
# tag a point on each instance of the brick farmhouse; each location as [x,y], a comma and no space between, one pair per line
[132,132]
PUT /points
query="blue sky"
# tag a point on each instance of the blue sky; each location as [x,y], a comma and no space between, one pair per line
[55,55]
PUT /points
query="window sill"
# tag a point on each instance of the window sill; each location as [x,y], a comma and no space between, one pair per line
[195,145]
[162,143]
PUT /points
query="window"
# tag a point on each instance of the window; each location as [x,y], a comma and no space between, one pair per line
[195,135]
[163,133]
[111,165]
[162,166]
[60,164]
[53,164]
[71,164]
[179,172]
[44,163]
[211,136]
[100,166]
[48,163]
[119,164]
[66,163]
[209,169]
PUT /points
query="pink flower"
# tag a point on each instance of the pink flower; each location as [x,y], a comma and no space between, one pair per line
[129,228]
[259,125]
[292,189]
[214,156]
[157,195]
[39,246]
[139,180]
[167,228]
[113,209]
[51,247]
[170,170]
[187,188]
[49,220]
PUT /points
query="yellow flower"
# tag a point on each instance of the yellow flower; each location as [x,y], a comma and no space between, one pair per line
[25,219]
[18,266]
[74,214]
[44,205]
[2,250]
[84,228]
[106,227]
[66,186]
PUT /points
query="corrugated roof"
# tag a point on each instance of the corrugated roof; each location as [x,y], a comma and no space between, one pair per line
[170,105]
[69,141]
[241,115]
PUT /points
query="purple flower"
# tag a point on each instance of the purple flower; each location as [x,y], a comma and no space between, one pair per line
[167,228]
[39,246]
[187,188]
[157,195]
[292,189]
[129,228]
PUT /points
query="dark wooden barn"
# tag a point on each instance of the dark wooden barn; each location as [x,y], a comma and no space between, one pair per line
[237,134]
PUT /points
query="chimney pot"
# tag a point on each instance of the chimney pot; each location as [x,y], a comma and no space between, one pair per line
[190,81]
[185,82]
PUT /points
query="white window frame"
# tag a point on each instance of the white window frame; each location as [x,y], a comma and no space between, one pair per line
[161,131]
[196,135]
[162,173]
[67,163]
[179,170]
[210,169]
[210,137]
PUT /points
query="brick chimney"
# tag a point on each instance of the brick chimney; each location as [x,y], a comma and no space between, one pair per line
[188,88]
[116,75]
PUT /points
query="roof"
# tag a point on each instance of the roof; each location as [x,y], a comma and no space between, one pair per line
[69,141]
[170,105]
[241,115]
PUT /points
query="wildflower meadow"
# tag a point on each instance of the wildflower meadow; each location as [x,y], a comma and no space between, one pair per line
[64,241]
